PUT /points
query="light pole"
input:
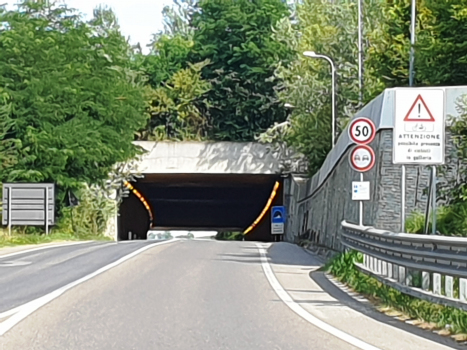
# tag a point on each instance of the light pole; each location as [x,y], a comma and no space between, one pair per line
[313,54]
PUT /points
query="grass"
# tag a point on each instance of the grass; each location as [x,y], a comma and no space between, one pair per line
[17,238]
[448,319]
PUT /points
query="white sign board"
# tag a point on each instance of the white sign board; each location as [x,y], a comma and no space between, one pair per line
[277,229]
[360,190]
[419,124]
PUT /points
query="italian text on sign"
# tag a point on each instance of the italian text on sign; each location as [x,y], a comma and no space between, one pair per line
[419,127]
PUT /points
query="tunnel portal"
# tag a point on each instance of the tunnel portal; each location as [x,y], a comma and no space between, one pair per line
[218,202]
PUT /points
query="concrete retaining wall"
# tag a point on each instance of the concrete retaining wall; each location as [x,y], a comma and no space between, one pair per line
[317,206]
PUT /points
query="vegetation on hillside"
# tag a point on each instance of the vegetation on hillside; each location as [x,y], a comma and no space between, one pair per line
[74,94]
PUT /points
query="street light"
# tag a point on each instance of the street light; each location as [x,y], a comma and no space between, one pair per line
[313,54]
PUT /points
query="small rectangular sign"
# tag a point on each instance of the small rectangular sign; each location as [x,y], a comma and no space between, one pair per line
[278,215]
[360,190]
[277,229]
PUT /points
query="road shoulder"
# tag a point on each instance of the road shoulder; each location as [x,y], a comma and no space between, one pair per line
[298,273]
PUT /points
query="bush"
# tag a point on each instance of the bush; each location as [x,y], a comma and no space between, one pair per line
[450,221]
[344,269]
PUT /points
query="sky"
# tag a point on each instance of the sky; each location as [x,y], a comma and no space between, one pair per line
[138,19]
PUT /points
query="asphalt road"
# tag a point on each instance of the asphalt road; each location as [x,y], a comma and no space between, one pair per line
[182,295]
[29,275]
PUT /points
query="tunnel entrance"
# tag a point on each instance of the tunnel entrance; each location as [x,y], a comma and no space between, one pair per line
[209,202]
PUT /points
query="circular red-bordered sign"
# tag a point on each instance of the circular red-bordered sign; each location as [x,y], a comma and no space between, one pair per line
[362,158]
[362,131]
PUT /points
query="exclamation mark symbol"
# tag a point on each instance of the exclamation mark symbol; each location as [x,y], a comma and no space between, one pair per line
[419,110]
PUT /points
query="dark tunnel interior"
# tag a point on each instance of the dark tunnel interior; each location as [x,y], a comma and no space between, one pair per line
[228,202]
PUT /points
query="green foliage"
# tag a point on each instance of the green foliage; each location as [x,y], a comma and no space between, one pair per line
[343,268]
[91,216]
[70,102]
[440,50]
[327,28]
[229,236]
[177,108]
[236,37]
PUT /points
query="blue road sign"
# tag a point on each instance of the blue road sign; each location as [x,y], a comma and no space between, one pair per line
[278,215]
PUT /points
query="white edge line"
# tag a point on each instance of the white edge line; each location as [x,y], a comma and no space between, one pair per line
[23,311]
[44,247]
[287,299]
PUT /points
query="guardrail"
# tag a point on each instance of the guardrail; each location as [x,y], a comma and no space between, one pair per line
[429,267]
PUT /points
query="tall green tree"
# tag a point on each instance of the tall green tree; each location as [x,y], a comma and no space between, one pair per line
[236,37]
[440,51]
[328,28]
[71,101]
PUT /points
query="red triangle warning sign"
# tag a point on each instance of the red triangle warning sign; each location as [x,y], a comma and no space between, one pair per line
[419,112]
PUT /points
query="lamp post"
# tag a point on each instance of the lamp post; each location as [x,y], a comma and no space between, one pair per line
[313,54]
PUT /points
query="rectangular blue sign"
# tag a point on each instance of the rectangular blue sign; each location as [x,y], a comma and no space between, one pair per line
[278,215]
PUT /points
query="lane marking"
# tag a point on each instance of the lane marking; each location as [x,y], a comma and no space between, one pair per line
[21,312]
[14,263]
[43,247]
[287,299]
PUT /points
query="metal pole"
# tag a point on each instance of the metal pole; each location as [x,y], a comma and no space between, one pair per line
[333,72]
[9,210]
[360,214]
[360,50]
[412,43]
[433,200]
[403,199]
[46,214]
[428,206]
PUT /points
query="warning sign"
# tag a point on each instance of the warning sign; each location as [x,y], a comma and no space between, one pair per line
[419,126]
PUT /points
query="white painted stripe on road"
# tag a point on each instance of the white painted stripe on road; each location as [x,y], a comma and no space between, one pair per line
[287,299]
[20,313]
[44,247]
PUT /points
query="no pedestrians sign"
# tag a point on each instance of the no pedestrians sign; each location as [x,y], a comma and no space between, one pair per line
[419,123]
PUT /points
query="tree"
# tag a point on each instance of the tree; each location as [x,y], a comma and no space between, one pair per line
[236,37]
[73,102]
[440,49]
[329,29]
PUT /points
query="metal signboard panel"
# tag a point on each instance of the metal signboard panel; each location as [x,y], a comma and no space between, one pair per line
[277,220]
[419,125]
[26,203]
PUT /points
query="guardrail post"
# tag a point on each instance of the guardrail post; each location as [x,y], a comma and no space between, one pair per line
[425,280]
[380,267]
[384,268]
[395,272]
[390,270]
[449,286]
[401,274]
[437,283]
[462,289]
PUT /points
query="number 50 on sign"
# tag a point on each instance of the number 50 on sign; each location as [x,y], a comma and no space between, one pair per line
[362,131]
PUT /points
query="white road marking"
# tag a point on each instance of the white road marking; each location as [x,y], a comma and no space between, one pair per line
[287,299]
[43,247]
[14,263]
[21,312]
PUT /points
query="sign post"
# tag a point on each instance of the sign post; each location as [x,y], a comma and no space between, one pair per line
[277,220]
[362,159]
[419,135]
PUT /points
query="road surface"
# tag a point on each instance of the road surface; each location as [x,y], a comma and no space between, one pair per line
[187,294]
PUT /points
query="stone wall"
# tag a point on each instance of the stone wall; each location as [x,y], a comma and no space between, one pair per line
[318,216]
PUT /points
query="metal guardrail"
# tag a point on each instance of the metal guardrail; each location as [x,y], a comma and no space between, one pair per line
[425,266]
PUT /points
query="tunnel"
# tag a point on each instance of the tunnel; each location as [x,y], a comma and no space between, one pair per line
[214,202]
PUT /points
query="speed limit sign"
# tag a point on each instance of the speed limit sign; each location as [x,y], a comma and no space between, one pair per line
[362,131]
